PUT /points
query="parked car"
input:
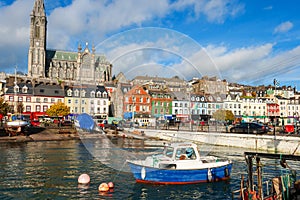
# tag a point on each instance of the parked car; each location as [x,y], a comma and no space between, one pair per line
[249,127]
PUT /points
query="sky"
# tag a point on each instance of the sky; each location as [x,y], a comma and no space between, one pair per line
[249,42]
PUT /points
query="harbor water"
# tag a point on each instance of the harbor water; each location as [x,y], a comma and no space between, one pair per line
[49,170]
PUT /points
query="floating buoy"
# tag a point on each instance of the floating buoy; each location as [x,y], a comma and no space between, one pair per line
[103,187]
[111,185]
[84,179]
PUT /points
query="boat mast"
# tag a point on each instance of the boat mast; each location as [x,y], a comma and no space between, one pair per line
[15,91]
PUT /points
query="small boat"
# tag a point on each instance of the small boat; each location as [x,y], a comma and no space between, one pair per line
[180,163]
[15,125]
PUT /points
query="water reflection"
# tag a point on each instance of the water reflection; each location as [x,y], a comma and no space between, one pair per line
[49,170]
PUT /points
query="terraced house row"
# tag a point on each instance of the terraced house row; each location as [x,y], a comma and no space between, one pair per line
[194,100]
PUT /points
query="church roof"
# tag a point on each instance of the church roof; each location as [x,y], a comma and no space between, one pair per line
[61,55]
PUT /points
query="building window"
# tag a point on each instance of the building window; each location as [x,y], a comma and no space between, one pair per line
[76,93]
[69,93]
[28,108]
[52,100]
[38,100]
[93,94]
[28,99]
[24,89]
[45,108]
[56,92]
[69,101]
[38,108]
[11,98]
[59,100]
[45,100]
[16,88]
[98,94]
[20,99]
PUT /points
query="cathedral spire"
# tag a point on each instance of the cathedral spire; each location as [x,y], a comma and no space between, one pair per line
[39,9]
[37,47]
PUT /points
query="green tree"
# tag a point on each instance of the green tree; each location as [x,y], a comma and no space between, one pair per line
[223,115]
[58,109]
[4,107]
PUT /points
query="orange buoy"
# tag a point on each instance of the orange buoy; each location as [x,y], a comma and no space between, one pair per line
[111,185]
[84,179]
[103,187]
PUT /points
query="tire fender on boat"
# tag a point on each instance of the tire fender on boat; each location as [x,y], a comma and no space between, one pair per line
[143,173]
[209,175]
[226,172]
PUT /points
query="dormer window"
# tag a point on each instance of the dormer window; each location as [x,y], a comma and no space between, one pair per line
[92,94]
[83,92]
[16,88]
[69,92]
[76,93]
[25,89]
[104,94]
[98,94]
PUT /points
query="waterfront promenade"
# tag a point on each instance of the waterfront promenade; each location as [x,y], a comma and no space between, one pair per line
[278,143]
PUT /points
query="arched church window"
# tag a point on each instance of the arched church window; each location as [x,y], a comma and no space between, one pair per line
[37,30]
[61,73]
[86,68]
[68,74]
[54,72]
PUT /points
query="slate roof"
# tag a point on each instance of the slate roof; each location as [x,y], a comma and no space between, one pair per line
[87,88]
[48,90]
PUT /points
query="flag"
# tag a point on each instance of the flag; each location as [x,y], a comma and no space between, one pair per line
[276,82]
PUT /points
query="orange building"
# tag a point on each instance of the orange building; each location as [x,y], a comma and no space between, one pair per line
[137,101]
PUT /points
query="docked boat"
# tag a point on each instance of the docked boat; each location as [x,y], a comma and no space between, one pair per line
[180,163]
[15,125]
[283,183]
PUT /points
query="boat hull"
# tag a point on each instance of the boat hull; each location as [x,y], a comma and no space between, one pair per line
[179,176]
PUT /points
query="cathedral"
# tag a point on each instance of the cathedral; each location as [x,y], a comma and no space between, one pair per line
[84,65]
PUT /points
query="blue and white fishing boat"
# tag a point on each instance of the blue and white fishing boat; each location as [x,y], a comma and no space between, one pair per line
[180,163]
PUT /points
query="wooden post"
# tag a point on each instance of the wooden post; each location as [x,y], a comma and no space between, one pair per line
[259,177]
[250,173]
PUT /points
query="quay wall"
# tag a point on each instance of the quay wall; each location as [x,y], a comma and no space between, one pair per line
[285,144]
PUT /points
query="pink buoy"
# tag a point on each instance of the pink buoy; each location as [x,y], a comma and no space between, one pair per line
[84,179]
[103,187]
[111,185]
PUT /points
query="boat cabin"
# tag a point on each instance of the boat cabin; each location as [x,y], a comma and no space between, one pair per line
[182,151]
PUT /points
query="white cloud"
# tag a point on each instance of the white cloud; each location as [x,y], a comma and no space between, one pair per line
[283,27]
[255,64]
[216,11]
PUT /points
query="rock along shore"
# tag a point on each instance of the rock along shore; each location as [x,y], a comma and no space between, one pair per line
[34,134]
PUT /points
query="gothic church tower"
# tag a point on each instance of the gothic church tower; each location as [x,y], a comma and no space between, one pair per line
[37,46]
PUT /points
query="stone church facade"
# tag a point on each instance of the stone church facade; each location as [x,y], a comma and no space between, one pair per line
[84,65]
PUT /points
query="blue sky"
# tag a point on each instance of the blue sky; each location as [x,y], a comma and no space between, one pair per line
[250,42]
